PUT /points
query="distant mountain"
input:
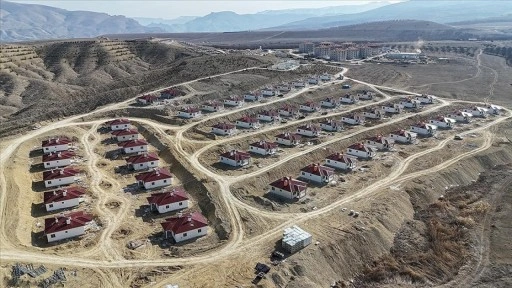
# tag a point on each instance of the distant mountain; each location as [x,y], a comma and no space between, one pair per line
[23,22]
[155,21]
[436,11]
[332,10]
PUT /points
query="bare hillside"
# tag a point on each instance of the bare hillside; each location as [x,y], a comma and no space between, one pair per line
[59,79]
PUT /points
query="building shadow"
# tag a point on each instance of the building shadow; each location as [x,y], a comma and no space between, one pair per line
[114,154]
[103,130]
[108,141]
[226,167]
[36,153]
[126,170]
[38,210]
[38,186]
[35,168]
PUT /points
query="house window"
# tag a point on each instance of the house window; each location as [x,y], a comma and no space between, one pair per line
[328,161]
[140,165]
[62,202]
[198,230]
[152,163]
[49,182]
[131,149]
[167,206]
[349,150]
[273,188]
[184,234]
[152,183]
[50,206]
[52,236]
[303,173]
[66,232]
[181,203]
[165,181]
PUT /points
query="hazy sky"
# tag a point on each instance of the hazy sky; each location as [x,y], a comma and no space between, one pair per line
[172,9]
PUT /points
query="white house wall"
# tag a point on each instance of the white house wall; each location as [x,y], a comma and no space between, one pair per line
[136,149]
[63,204]
[66,234]
[145,165]
[57,163]
[190,234]
[172,207]
[158,183]
[55,148]
[59,182]
[119,127]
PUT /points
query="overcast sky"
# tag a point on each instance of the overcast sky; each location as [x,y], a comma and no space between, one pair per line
[172,9]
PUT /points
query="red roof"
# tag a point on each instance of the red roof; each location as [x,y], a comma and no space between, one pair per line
[56,141]
[377,138]
[148,97]
[224,126]
[142,158]
[171,91]
[168,197]
[133,143]
[213,104]
[317,169]
[420,125]
[289,184]
[124,132]
[331,122]
[154,175]
[347,96]
[190,110]
[264,144]
[340,157]
[310,104]
[60,173]
[184,223]
[330,99]
[234,98]
[63,194]
[309,127]
[248,119]
[236,155]
[58,156]
[268,113]
[359,147]
[289,136]
[58,223]
[288,108]
[119,122]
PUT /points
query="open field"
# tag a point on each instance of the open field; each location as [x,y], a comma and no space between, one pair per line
[396,195]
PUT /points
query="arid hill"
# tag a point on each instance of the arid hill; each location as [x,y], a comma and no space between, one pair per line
[53,80]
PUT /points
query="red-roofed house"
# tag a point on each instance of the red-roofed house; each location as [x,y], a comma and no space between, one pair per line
[288,139]
[159,177]
[331,125]
[143,161]
[235,158]
[185,227]
[288,111]
[268,115]
[341,161]
[248,122]
[189,112]
[443,122]
[403,136]
[349,99]
[308,130]
[58,159]
[268,92]
[134,146]
[63,198]
[147,99]
[56,144]
[119,124]
[309,106]
[353,119]
[284,87]
[460,116]
[59,177]
[366,95]
[234,101]
[374,113]
[126,135]
[288,188]
[380,142]
[329,102]
[425,99]
[170,93]
[253,96]
[424,129]
[212,106]
[317,173]
[361,150]
[175,199]
[66,226]
[393,108]
[476,111]
[224,129]
[263,147]
[408,102]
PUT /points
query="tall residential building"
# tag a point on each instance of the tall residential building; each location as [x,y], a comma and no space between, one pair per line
[338,54]
[352,53]
[307,47]
[323,51]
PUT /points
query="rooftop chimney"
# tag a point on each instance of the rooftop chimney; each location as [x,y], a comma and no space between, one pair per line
[61,171]
[64,192]
[56,219]
[68,220]
[180,214]
[189,218]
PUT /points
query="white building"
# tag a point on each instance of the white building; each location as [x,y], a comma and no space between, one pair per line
[366,95]
[349,99]
[353,119]
[158,177]
[393,108]
[189,112]
[287,111]
[476,111]
[299,84]
[361,150]
[63,198]
[263,147]
[308,130]
[331,125]
[295,239]
[284,88]
[224,129]
[494,109]
[288,188]
[341,161]
[374,113]
[424,129]
[58,159]
[460,116]
[269,116]
[268,92]
[317,173]
[142,161]
[288,139]
[66,226]
[235,158]
[212,106]
[329,102]
[443,122]
[119,124]
[402,136]
[134,146]
[185,227]
[425,99]
[309,107]
[56,144]
[325,77]
[125,135]
[234,101]
[380,142]
[248,123]
[60,177]
[313,80]
[172,200]
[410,103]
[147,99]
[253,96]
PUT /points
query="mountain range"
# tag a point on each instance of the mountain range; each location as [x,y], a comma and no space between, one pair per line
[25,22]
